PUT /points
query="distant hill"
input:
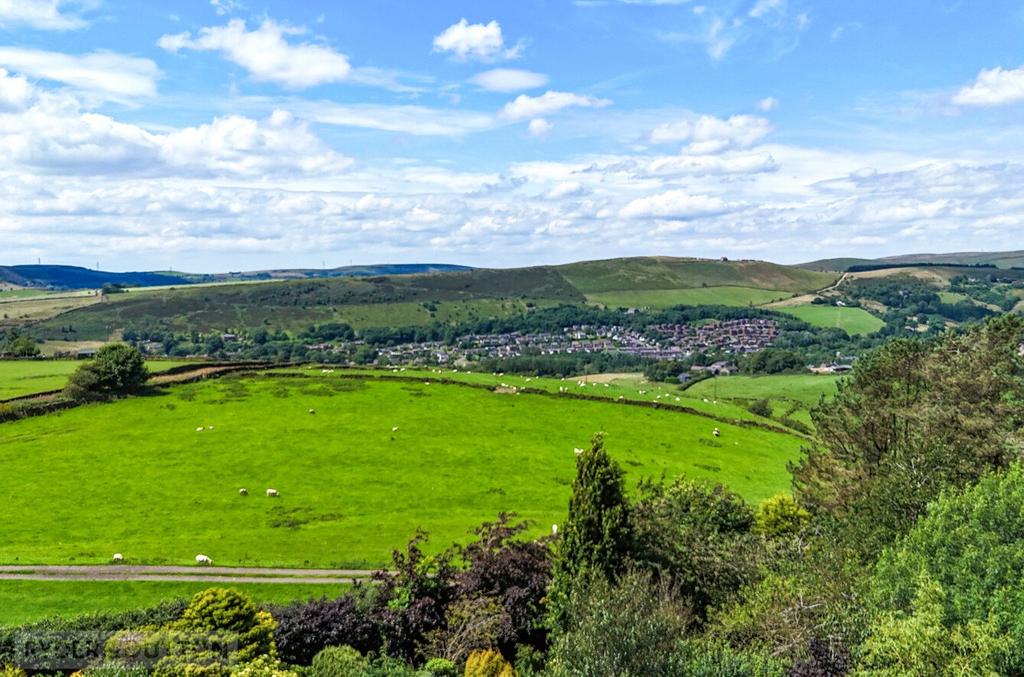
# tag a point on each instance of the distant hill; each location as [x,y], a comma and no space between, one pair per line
[74,277]
[343,271]
[365,300]
[998,259]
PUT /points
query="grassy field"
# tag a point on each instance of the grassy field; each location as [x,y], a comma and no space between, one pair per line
[592,277]
[136,477]
[665,298]
[24,377]
[24,601]
[18,309]
[791,396]
[851,320]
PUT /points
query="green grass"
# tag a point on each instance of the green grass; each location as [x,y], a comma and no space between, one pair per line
[593,277]
[853,321]
[791,396]
[25,601]
[135,477]
[25,377]
[665,298]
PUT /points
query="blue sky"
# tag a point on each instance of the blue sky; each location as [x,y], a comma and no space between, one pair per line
[226,134]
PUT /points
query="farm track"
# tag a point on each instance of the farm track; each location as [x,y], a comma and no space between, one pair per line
[184,574]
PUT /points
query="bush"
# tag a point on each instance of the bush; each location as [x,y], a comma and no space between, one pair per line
[114,670]
[72,644]
[488,663]
[439,667]
[705,659]
[11,671]
[629,630]
[117,369]
[306,628]
[339,661]
[779,516]
[761,407]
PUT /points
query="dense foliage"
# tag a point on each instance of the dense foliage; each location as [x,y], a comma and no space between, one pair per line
[117,369]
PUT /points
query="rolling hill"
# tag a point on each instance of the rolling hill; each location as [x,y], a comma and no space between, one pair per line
[405,300]
[998,259]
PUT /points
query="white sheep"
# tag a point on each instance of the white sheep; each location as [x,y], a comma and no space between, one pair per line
[203,559]
[243,492]
[209,427]
[118,557]
[272,493]
[577,451]
[200,429]
[554,529]
[312,411]
[394,429]
[717,432]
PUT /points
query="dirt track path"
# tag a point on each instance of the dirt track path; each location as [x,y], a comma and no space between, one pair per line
[198,574]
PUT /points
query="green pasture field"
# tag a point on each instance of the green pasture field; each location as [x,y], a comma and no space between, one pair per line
[632,387]
[25,377]
[136,477]
[791,396]
[700,296]
[851,320]
[26,601]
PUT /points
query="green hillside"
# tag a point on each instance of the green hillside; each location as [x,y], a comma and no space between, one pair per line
[593,277]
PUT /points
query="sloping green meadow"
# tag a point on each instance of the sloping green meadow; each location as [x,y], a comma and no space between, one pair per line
[137,477]
[25,377]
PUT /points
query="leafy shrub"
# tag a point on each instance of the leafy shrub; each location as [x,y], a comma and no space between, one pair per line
[306,628]
[70,644]
[695,534]
[339,661]
[761,407]
[439,667]
[707,659]
[627,630]
[779,516]
[115,670]
[117,369]
[488,663]
[11,671]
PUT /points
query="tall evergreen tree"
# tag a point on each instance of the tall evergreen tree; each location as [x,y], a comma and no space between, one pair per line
[597,537]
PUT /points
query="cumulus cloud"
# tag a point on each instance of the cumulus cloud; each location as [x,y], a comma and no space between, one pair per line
[674,205]
[266,53]
[708,134]
[39,14]
[106,75]
[14,91]
[509,80]
[539,127]
[482,42]
[993,87]
[768,104]
[524,107]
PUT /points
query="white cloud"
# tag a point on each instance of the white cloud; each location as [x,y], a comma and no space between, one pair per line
[763,8]
[768,104]
[40,14]
[566,189]
[241,146]
[710,165]
[708,134]
[524,107]
[674,205]
[14,91]
[993,87]
[509,80]
[483,42]
[266,54]
[408,119]
[107,75]
[223,7]
[539,127]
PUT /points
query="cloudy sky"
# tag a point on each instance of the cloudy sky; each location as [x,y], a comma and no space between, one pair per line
[215,135]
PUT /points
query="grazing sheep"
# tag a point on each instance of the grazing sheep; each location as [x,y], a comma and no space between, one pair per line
[203,559]
[394,429]
[118,557]
[209,427]
[272,493]
[577,451]
[312,411]
[200,429]
[717,432]
[243,492]
[554,529]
